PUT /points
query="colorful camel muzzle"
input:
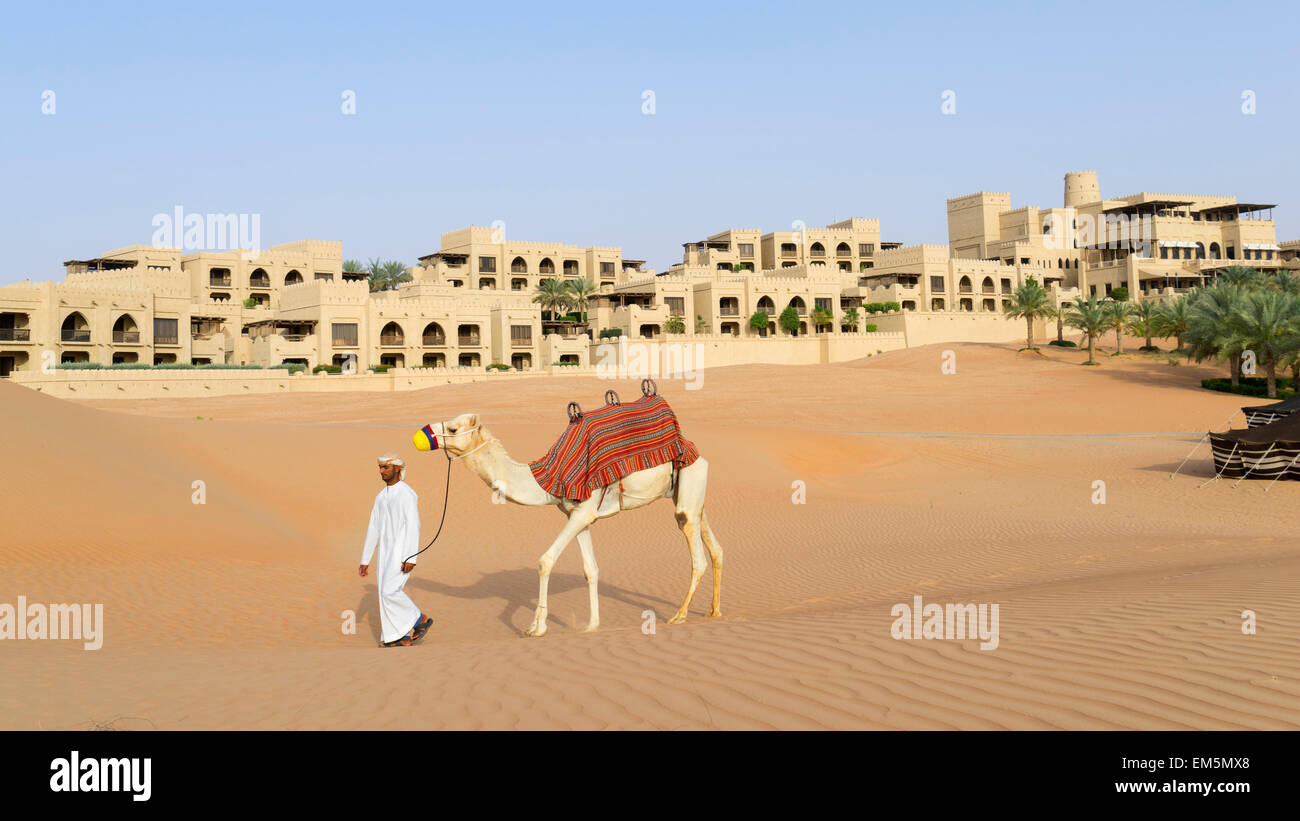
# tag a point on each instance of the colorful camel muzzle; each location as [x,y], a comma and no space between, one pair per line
[426,438]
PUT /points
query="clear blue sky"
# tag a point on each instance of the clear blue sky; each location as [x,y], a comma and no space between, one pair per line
[532,114]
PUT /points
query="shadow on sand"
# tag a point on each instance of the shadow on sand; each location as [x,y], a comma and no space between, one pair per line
[518,591]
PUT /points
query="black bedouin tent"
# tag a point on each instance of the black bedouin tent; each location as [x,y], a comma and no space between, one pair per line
[1270,451]
[1266,414]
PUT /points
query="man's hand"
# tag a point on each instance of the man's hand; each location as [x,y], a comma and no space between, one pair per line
[363,570]
[407,567]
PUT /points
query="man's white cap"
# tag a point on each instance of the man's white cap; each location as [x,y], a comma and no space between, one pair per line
[391,458]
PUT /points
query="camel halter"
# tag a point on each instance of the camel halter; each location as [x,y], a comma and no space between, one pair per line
[447,489]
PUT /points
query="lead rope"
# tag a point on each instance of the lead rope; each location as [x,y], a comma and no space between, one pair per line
[444,512]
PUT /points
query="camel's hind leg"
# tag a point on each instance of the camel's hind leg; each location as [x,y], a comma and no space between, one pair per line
[691,485]
[592,572]
[715,556]
[689,522]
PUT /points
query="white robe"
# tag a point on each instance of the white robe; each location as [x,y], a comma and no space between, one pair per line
[395,530]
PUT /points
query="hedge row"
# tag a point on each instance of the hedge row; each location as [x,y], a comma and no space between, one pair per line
[1250,386]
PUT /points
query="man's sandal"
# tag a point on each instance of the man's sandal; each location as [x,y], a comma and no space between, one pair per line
[421,628]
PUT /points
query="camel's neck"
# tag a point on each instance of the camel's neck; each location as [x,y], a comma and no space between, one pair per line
[515,480]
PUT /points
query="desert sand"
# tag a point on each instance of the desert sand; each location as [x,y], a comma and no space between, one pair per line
[976,486]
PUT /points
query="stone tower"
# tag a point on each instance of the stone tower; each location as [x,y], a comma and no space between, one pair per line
[1081,188]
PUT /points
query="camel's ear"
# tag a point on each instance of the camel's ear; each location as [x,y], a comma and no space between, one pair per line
[471,420]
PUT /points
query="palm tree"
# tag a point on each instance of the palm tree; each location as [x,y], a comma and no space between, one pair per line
[375,268]
[701,324]
[352,266]
[1089,316]
[1264,323]
[1142,318]
[1030,302]
[1172,318]
[1242,275]
[580,290]
[552,294]
[1058,313]
[1211,331]
[1285,282]
[1118,312]
[394,272]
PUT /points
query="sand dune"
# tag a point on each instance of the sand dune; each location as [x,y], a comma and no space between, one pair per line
[974,486]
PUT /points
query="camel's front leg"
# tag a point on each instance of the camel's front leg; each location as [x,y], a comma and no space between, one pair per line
[578,521]
[592,572]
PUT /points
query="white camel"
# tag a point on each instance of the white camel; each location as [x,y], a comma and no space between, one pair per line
[465,439]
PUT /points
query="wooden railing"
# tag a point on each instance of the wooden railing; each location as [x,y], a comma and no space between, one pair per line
[126,337]
[15,335]
[75,336]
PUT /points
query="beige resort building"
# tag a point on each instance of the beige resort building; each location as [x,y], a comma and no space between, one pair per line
[470,303]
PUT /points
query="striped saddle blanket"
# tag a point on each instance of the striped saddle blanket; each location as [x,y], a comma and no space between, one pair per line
[600,447]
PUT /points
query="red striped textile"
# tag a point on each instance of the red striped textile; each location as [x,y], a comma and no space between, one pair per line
[603,446]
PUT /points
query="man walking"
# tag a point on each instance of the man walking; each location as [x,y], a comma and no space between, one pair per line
[395,530]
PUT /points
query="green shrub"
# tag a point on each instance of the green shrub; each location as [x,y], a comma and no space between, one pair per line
[1250,386]
[327,369]
[1151,348]
[380,368]
[1062,343]
[607,333]
[893,306]
[873,307]
[78,366]
[250,303]
[129,366]
[870,327]
[175,366]
[497,366]
[291,367]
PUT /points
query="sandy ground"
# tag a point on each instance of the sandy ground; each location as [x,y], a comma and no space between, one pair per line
[976,486]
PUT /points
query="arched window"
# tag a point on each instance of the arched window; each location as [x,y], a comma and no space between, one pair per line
[766,305]
[798,305]
[291,278]
[987,286]
[392,335]
[125,331]
[434,335]
[817,250]
[1200,250]
[75,328]
[1215,251]
[546,266]
[260,279]
[518,266]
[843,250]
[964,285]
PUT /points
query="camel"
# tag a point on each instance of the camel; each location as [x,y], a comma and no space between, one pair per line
[465,439]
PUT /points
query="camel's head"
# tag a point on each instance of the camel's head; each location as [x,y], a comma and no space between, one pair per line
[457,436]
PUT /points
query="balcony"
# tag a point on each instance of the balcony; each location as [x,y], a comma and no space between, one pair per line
[522,343]
[468,341]
[165,340]
[126,337]
[294,337]
[75,336]
[219,282]
[391,341]
[434,341]
[261,282]
[15,335]
[726,310]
